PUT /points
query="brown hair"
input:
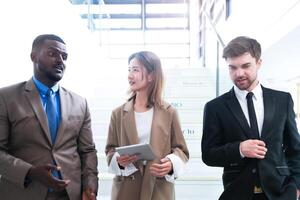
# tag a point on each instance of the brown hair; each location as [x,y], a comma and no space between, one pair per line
[240,45]
[152,64]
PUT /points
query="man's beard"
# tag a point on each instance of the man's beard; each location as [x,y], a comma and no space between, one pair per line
[54,78]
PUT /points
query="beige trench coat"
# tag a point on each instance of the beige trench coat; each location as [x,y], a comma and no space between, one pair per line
[166,138]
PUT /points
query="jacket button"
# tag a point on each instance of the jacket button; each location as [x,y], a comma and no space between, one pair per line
[254,171]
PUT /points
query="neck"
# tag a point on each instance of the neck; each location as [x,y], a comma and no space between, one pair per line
[140,103]
[253,85]
[46,82]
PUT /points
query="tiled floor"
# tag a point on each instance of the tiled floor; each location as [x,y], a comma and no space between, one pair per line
[203,190]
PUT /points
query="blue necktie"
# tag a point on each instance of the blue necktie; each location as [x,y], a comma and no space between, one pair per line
[52,116]
[51,112]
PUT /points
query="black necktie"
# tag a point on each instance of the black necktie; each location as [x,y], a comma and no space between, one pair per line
[255,134]
[252,116]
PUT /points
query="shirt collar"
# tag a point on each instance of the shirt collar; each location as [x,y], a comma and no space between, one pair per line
[241,94]
[43,88]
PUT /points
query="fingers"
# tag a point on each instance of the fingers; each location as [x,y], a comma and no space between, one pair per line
[86,197]
[162,169]
[159,170]
[51,167]
[259,142]
[259,151]
[58,184]
[125,160]
[88,194]
[43,175]
[253,149]
[164,160]
[92,196]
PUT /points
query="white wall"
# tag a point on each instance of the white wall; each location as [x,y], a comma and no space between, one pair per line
[22,21]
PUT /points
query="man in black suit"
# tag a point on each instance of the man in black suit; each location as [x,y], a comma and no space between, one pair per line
[258,146]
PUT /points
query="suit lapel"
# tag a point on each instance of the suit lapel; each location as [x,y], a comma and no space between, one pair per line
[128,122]
[34,99]
[158,137]
[269,109]
[234,106]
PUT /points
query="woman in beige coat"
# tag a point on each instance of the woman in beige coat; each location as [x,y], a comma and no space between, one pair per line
[145,118]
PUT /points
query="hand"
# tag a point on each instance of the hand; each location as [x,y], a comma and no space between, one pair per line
[253,149]
[88,194]
[43,175]
[160,170]
[125,160]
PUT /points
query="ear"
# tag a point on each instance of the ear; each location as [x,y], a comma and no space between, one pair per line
[259,63]
[150,77]
[33,56]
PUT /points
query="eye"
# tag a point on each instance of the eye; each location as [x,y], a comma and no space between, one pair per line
[64,56]
[231,67]
[246,66]
[51,53]
[133,69]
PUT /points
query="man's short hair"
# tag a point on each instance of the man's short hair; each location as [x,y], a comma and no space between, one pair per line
[39,40]
[241,45]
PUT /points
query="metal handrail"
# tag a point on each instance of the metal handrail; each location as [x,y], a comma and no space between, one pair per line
[202,10]
[220,41]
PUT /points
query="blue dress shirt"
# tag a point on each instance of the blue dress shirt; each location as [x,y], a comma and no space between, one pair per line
[43,92]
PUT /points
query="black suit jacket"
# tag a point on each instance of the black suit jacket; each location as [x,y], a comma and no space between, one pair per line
[225,127]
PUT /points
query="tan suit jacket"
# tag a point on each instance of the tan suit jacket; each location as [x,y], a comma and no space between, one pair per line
[166,138]
[25,141]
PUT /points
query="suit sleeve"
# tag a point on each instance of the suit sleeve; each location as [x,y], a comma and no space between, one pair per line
[216,151]
[11,168]
[87,152]
[292,143]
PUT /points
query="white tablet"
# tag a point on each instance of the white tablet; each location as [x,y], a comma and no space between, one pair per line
[143,151]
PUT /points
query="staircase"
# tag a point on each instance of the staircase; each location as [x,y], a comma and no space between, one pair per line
[187,89]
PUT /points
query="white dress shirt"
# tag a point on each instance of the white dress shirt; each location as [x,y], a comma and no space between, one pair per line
[257,101]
